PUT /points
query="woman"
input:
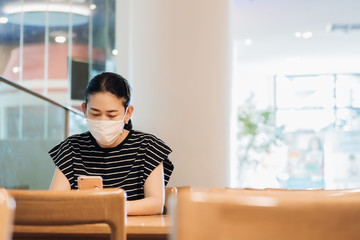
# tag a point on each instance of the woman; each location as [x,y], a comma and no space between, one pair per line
[125,158]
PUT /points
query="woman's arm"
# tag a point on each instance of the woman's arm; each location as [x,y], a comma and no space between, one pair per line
[153,202]
[59,181]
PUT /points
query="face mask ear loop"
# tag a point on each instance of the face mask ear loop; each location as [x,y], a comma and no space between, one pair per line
[86,112]
[125,114]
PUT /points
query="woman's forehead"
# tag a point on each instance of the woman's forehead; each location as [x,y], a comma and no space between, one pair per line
[105,100]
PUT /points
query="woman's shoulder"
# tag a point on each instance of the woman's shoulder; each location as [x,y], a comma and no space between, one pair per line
[148,139]
[78,138]
[136,134]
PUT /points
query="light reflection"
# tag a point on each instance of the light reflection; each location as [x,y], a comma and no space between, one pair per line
[3,20]
[43,7]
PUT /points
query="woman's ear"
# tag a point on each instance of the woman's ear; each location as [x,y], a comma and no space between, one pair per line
[83,105]
[129,113]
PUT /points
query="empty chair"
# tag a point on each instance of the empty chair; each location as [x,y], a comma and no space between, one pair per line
[297,193]
[7,211]
[286,189]
[37,207]
[229,215]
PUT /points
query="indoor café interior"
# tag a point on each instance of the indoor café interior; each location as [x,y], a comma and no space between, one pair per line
[179,120]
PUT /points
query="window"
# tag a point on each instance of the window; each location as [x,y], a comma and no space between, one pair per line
[304,73]
[322,111]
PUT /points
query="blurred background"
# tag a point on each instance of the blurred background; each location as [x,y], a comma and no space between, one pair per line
[248,93]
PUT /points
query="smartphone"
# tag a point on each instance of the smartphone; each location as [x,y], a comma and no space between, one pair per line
[89,182]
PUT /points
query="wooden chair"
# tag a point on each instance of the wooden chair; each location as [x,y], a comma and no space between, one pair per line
[38,207]
[170,193]
[7,212]
[296,193]
[279,215]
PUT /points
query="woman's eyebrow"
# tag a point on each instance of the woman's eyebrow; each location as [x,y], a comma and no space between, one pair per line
[108,111]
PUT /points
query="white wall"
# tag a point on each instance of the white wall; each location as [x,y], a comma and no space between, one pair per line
[176,54]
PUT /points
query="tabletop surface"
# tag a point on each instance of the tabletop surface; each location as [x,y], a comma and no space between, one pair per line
[153,224]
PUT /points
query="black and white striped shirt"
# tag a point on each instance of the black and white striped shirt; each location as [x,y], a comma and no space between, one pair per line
[126,166]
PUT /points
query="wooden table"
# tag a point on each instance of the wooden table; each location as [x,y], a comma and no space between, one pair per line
[137,227]
[148,227]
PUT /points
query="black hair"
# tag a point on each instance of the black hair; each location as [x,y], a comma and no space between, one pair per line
[112,83]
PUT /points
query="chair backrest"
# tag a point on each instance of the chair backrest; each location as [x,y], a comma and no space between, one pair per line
[7,212]
[287,215]
[288,192]
[38,207]
[170,193]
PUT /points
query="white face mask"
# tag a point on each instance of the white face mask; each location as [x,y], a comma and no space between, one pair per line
[106,132]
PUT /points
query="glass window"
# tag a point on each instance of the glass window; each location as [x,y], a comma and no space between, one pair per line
[305,92]
[39,50]
[305,72]
[55,52]
[328,124]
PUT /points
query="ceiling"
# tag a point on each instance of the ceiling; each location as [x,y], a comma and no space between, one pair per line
[271,25]
[58,21]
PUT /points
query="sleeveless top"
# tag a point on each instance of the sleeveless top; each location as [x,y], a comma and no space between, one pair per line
[126,166]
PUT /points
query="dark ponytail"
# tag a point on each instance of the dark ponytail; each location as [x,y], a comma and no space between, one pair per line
[112,83]
[128,125]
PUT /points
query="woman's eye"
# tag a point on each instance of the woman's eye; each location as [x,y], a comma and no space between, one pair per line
[95,115]
[112,116]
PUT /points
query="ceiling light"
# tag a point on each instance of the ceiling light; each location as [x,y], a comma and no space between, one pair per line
[248,42]
[92,6]
[115,52]
[3,20]
[60,39]
[307,35]
[298,34]
[16,69]
[80,9]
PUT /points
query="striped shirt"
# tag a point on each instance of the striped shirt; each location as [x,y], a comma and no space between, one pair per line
[126,166]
